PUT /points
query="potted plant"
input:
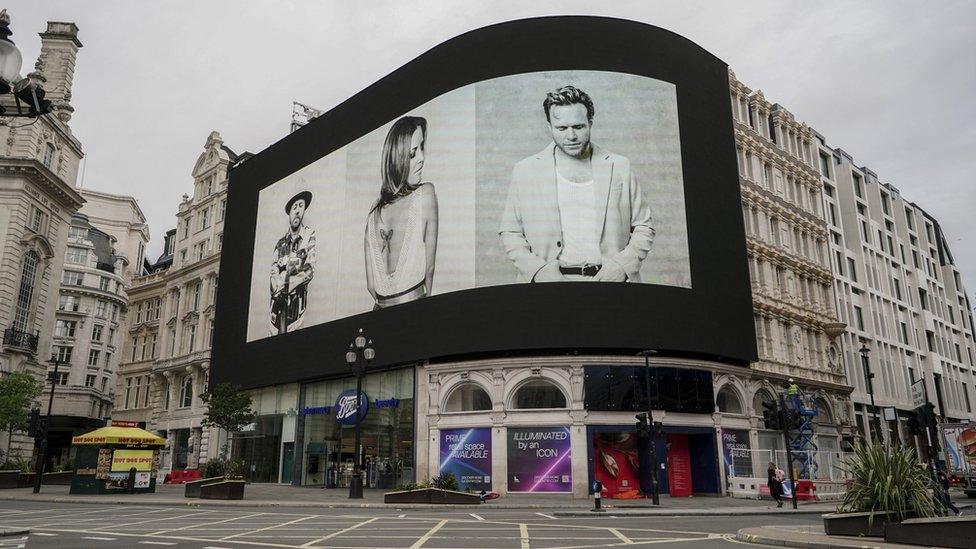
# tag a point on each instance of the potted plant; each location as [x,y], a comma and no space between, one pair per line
[888,484]
[229,408]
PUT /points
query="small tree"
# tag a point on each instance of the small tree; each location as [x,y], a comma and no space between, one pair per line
[228,408]
[17,391]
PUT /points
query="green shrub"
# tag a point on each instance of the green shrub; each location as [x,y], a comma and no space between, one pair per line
[215,467]
[886,478]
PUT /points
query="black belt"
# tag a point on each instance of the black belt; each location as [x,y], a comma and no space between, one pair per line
[585,270]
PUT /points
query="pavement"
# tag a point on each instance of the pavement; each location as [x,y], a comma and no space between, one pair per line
[810,537]
[286,496]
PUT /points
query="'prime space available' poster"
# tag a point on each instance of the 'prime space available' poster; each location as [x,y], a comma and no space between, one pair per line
[466,453]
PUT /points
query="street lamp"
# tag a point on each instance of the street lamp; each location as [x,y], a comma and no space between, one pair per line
[25,90]
[358,357]
[655,497]
[869,376]
[42,444]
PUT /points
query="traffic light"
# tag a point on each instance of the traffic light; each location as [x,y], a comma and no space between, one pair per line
[771,419]
[913,426]
[34,423]
[926,415]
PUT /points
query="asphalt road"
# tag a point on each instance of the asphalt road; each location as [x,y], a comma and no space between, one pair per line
[63,526]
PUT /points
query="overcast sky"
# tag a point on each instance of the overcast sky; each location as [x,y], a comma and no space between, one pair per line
[892,83]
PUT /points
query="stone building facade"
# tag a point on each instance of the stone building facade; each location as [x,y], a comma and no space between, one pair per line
[38,169]
[106,240]
[902,299]
[792,286]
[166,357]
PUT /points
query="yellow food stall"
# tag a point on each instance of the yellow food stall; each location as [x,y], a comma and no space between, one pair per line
[118,458]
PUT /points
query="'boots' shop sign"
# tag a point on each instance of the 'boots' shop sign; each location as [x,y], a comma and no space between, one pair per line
[539,460]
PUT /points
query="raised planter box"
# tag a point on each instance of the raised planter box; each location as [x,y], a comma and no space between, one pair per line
[857,524]
[26,480]
[432,495]
[61,478]
[223,489]
[192,487]
[941,532]
[9,479]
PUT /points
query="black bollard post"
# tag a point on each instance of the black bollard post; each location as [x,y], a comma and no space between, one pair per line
[597,497]
[132,480]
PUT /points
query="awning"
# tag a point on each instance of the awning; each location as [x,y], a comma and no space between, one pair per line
[120,435]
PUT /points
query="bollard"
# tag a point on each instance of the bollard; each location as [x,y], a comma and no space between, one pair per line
[132,480]
[597,497]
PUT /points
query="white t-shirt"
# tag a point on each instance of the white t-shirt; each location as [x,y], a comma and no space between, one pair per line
[580,223]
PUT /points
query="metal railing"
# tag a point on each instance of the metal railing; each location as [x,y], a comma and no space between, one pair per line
[13,337]
[753,463]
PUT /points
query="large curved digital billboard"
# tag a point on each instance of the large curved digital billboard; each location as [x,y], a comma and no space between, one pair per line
[507,191]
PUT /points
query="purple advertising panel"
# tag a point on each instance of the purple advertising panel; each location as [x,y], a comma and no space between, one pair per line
[539,460]
[466,453]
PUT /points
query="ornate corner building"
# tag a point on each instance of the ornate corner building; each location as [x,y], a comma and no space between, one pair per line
[792,285]
[166,357]
[38,169]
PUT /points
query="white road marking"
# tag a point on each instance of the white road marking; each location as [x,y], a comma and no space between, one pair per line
[622,537]
[202,526]
[476,516]
[97,538]
[158,542]
[547,516]
[279,525]
[42,534]
[401,516]
[524,535]
[340,532]
[423,539]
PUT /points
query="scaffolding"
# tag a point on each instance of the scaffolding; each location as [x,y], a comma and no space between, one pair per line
[800,431]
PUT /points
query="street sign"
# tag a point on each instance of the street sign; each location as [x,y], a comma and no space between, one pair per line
[918,393]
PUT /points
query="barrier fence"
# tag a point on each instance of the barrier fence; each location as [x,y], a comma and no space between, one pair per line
[753,463]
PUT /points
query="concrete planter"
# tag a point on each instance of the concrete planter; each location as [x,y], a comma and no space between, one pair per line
[941,532]
[432,495]
[192,488]
[858,524]
[223,489]
[61,478]
[9,479]
[26,480]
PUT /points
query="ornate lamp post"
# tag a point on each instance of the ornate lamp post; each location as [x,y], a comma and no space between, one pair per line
[358,357]
[869,377]
[42,443]
[28,93]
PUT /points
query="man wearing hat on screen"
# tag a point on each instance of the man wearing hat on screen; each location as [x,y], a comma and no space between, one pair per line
[292,268]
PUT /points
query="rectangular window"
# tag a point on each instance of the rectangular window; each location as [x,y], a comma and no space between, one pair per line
[858,188]
[858,318]
[222,210]
[128,392]
[851,270]
[194,301]
[840,263]
[204,218]
[76,255]
[101,308]
[63,353]
[93,357]
[38,220]
[833,214]
[108,360]
[186,391]
[97,332]
[186,226]
[152,346]
[965,396]
[191,337]
[90,380]
[135,347]
[904,333]
[62,378]
[73,278]
[885,205]
[139,313]
[210,330]
[145,396]
[68,303]
[103,283]
[897,288]
[65,328]
[825,165]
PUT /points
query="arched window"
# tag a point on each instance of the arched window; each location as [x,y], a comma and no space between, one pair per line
[186,392]
[538,394]
[25,294]
[762,395]
[823,411]
[728,401]
[468,397]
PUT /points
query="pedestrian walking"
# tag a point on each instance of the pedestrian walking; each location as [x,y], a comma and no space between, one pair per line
[942,493]
[774,480]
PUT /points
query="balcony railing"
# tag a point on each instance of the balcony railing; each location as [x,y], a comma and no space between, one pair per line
[12,337]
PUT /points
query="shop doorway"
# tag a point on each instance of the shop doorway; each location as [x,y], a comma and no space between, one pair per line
[287,462]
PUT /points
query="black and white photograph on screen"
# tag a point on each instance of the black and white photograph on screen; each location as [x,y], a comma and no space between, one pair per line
[540,177]
[401,229]
[292,268]
[574,210]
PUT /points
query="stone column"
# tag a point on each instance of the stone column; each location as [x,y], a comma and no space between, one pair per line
[56,65]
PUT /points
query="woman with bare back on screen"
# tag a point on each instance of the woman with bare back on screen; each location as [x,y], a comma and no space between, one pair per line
[401,228]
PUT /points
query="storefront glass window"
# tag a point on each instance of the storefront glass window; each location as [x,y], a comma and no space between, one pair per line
[387,431]
[468,398]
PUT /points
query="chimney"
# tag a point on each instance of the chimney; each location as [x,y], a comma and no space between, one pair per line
[56,65]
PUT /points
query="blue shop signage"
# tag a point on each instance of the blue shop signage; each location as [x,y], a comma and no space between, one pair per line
[345,407]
